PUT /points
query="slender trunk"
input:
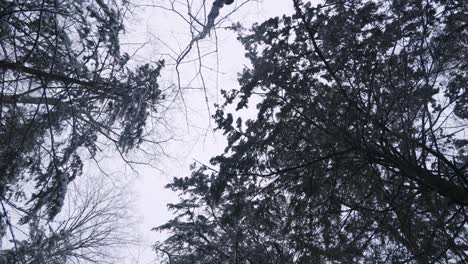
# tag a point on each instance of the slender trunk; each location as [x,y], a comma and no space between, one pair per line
[43,74]
[11,99]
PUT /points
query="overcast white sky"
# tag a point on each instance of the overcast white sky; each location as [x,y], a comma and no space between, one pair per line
[165,35]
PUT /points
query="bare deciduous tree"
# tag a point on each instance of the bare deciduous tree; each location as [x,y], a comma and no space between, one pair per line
[95,224]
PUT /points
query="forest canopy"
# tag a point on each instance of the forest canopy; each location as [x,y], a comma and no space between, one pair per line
[67,91]
[358,151]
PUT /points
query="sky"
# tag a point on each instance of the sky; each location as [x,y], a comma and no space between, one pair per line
[155,33]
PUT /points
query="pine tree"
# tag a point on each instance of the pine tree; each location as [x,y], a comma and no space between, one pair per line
[358,153]
[65,87]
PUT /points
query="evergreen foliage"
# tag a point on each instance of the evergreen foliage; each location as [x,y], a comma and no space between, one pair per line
[66,87]
[358,152]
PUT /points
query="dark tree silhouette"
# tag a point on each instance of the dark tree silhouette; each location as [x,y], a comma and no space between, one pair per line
[358,153]
[64,85]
